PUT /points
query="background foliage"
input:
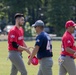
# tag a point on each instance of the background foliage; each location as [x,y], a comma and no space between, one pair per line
[53,12]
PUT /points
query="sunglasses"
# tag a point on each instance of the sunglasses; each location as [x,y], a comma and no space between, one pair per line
[35,26]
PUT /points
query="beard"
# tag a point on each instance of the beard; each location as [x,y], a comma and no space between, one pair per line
[20,25]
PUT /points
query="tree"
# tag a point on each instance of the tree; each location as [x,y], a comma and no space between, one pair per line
[60,12]
[33,10]
[14,7]
[53,12]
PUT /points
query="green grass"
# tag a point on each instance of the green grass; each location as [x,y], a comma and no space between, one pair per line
[5,65]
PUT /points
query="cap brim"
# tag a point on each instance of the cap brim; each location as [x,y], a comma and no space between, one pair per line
[33,25]
[34,60]
[75,26]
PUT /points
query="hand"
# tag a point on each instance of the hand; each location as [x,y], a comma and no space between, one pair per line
[28,51]
[29,62]
[31,47]
[75,54]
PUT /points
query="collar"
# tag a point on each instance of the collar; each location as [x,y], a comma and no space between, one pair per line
[68,32]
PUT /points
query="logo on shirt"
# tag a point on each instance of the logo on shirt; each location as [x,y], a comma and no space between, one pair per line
[37,40]
[12,36]
[68,41]
[62,48]
[20,38]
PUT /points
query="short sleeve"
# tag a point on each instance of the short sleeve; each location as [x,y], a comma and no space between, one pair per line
[12,36]
[68,42]
[39,41]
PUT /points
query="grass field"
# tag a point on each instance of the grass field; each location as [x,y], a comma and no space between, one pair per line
[5,65]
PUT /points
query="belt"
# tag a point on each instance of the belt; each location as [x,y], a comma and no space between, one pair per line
[69,56]
[44,57]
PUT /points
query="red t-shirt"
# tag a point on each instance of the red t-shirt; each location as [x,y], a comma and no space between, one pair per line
[67,41]
[16,35]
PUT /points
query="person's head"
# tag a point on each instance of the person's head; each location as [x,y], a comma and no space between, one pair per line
[19,19]
[39,26]
[70,26]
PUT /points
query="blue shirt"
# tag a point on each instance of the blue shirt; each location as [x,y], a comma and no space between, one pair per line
[43,40]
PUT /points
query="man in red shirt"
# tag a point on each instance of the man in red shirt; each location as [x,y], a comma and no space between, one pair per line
[16,45]
[68,51]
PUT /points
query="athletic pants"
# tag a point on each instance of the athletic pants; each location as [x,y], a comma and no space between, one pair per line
[17,63]
[66,65]
[45,66]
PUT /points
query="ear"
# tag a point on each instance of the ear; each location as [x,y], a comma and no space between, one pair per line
[18,19]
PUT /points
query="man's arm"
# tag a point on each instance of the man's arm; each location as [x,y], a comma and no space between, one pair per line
[68,44]
[17,46]
[24,44]
[69,50]
[24,48]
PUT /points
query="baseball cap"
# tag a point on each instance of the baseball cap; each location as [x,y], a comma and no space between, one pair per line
[34,60]
[70,23]
[38,23]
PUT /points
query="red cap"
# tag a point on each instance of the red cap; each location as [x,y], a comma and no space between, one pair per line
[69,23]
[34,60]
